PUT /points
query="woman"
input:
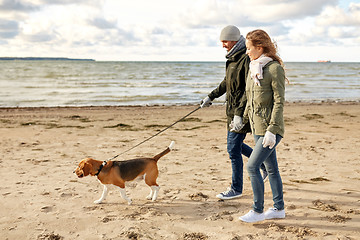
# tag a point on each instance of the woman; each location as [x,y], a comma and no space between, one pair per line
[265,93]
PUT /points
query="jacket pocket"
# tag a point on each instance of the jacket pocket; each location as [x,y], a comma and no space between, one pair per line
[264,116]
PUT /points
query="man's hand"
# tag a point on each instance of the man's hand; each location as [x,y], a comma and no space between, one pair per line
[205,103]
[269,140]
[236,124]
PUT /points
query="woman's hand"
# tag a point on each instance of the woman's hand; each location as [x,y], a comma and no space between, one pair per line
[269,140]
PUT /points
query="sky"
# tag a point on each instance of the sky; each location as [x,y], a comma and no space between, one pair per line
[176,30]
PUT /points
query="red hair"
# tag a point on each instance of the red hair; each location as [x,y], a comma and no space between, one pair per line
[259,38]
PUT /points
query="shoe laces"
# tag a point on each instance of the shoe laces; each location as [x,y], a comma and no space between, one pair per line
[228,190]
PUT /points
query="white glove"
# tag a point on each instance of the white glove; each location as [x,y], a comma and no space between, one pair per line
[236,124]
[205,103]
[269,140]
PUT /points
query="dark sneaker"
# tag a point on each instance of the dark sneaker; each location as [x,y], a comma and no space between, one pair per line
[229,194]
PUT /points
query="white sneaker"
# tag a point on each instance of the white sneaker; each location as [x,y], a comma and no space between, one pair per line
[274,213]
[252,216]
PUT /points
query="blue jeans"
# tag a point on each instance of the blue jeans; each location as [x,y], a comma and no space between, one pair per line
[236,147]
[268,157]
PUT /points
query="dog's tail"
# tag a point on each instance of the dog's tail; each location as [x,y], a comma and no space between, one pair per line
[166,151]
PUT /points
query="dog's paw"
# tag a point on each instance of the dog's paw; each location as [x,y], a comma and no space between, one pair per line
[149,197]
[129,202]
[98,201]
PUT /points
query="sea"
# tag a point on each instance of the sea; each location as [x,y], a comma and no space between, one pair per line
[100,83]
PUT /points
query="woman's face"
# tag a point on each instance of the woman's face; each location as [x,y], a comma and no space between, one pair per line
[252,51]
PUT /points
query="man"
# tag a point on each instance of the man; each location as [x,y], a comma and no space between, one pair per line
[237,66]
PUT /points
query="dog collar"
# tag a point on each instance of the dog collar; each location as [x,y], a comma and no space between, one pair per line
[101,167]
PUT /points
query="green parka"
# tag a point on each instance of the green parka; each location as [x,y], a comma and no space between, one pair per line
[237,68]
[265,103]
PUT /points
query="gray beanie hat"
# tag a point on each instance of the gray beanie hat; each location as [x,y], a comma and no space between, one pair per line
[230,33]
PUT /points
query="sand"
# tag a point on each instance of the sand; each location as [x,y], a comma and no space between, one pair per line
[41,198]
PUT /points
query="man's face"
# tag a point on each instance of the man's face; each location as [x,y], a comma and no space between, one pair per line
[228,44]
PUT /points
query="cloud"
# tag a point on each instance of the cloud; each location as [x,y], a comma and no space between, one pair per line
[102,23]
[67,2]
[336,26]
[272,16]
[270,11]
[165,28]
[16,5]
[243,13]
[8,28]
[39,37]
[339,17]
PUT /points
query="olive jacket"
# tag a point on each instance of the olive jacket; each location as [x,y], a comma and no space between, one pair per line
[265,103]
[237,68]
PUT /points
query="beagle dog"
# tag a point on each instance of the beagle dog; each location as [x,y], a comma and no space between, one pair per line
[119,172]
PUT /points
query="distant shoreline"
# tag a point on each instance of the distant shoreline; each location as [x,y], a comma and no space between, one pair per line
[43,59]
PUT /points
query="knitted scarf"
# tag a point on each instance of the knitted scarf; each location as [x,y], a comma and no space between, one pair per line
[237,47]
[256,68]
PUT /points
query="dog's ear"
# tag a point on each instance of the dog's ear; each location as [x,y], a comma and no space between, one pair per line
[86,168]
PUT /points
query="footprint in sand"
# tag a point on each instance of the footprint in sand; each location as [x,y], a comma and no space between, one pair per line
[338,219]
[198,197]
[317,179]
[108,218]
[320,179]
[221,215]
[131,235]
[300,232]
[171,194]
[92,208]
[313,116]
[194,236]
[353,211]
[319,205]
[46,209]
[66,195]
[46,236]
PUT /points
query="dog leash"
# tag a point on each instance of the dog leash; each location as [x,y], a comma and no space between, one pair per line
[155,134]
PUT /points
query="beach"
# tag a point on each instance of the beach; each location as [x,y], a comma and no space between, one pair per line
[41,197]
